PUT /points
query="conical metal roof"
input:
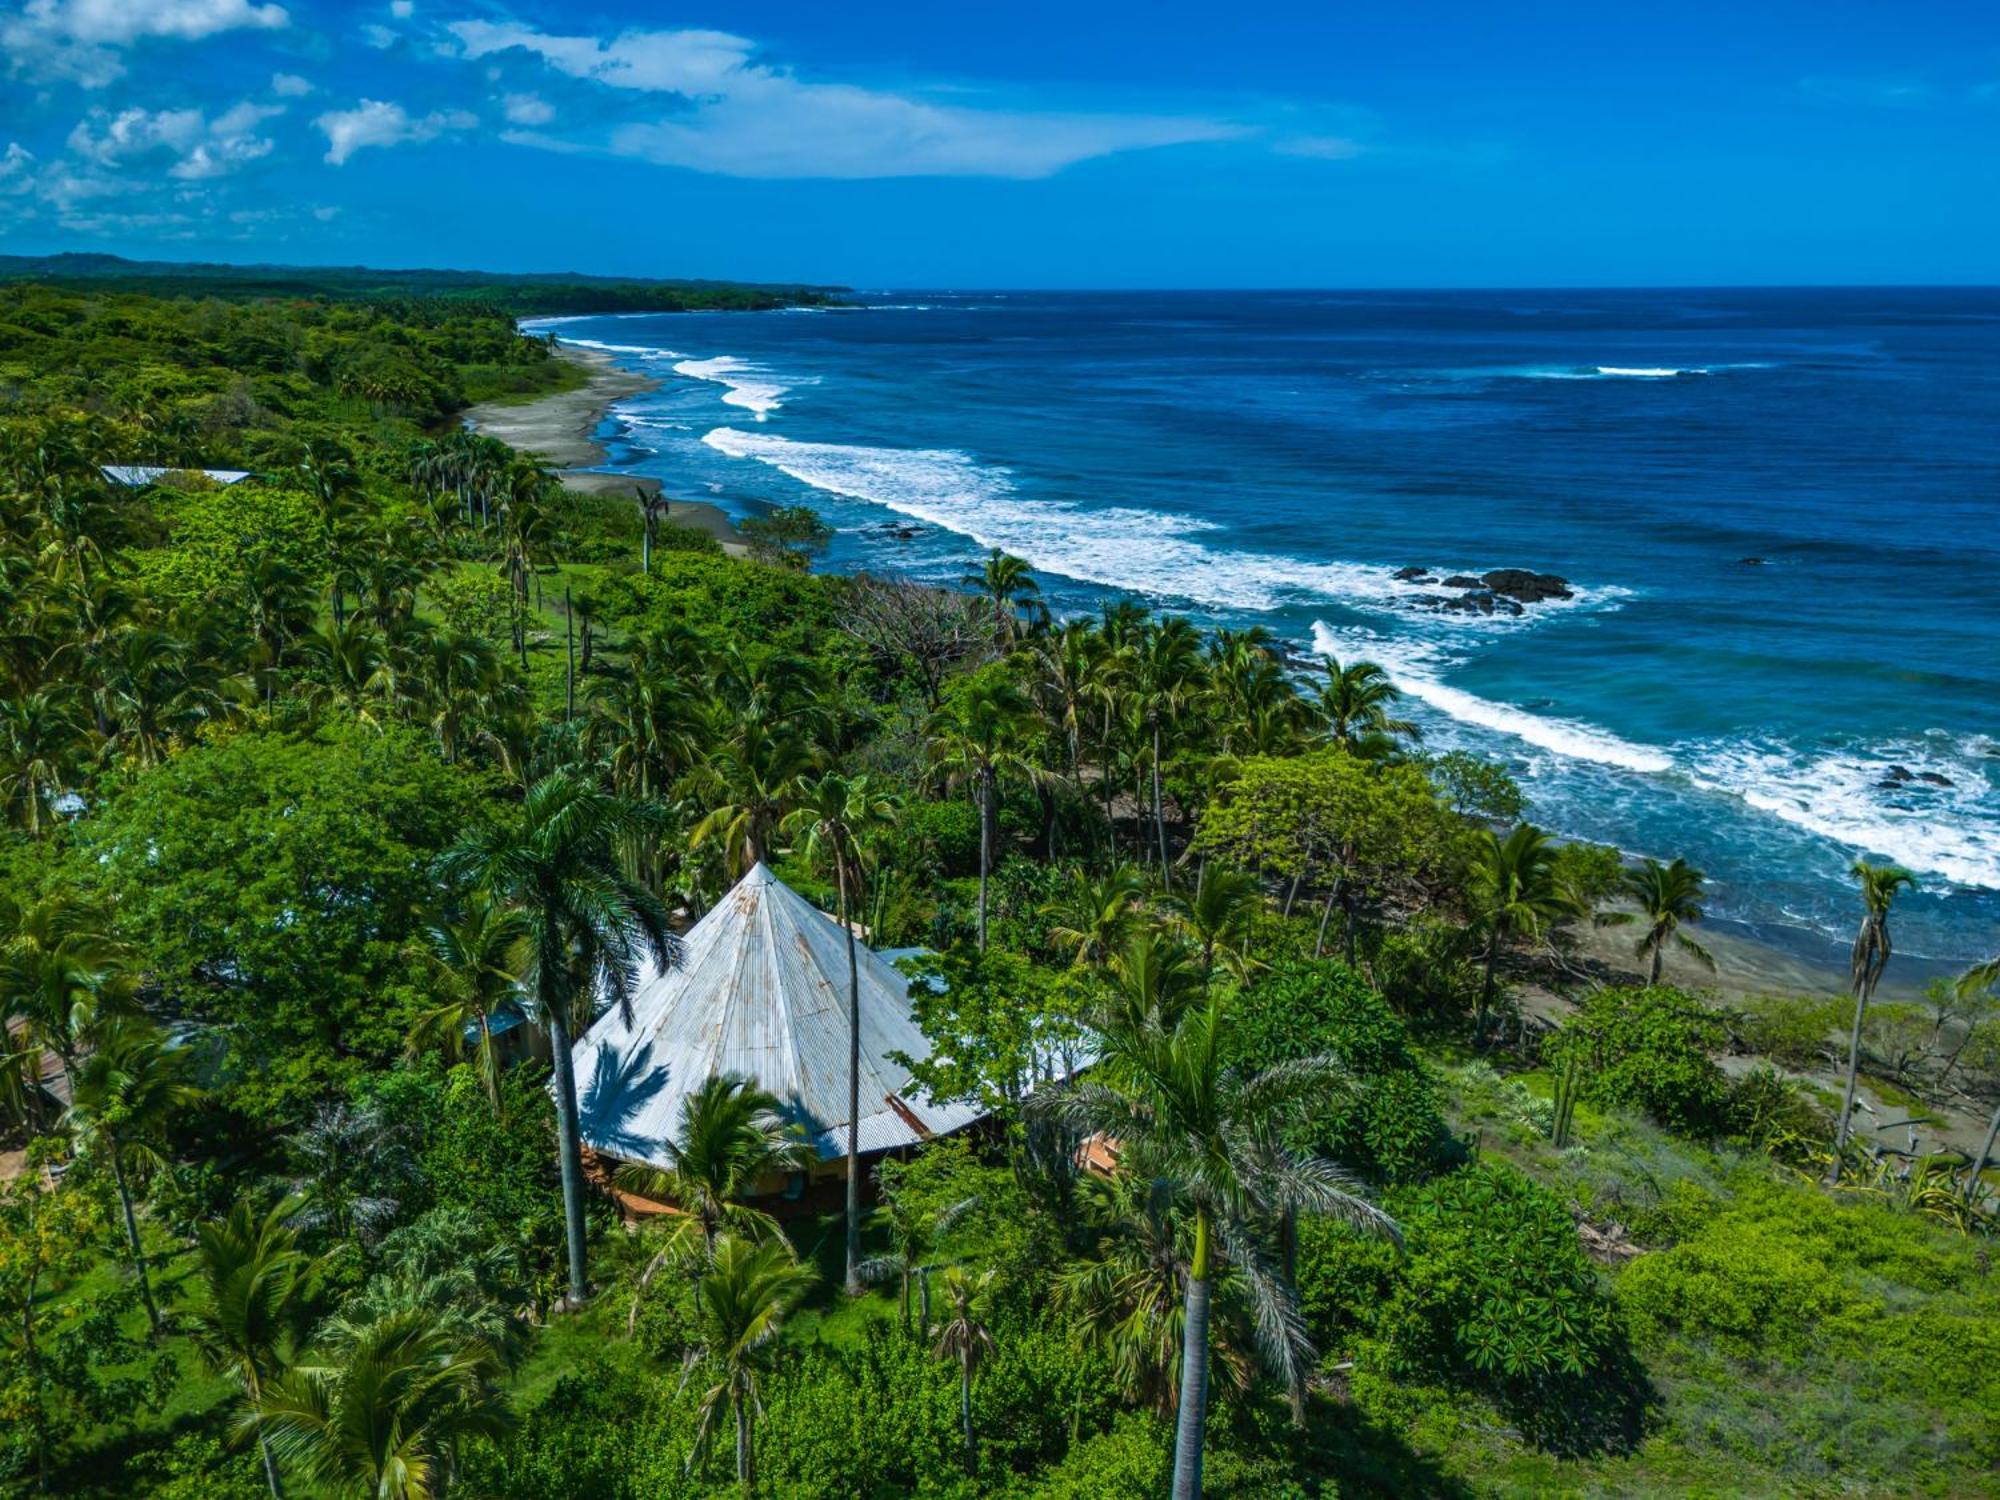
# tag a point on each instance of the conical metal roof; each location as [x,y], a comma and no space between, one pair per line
[762,989]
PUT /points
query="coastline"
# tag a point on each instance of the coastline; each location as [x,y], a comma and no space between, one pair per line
[561,429]
[1751,959]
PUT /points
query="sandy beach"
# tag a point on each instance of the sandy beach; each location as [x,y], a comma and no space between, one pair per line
[562,429]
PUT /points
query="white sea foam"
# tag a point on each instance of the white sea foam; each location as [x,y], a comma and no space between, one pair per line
[1142,550]
[1414,666]
[1952,832]
[1616,372]
[647,351]
[750,386]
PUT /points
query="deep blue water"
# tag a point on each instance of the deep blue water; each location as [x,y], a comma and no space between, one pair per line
[1273,457]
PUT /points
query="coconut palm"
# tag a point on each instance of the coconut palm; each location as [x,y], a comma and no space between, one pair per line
[1668,898]
[1356,707]
[1879,884]
[754,778]
[915,1230]
[733,1137]
[1212,1136]
[740,1306]
[125,1093]
[42,742]
[386,1416]
[62,974]
[1978,980]
[1512,892]
[834,814]
[965,1340]
[979,735]
[255,1284]
[476,959]
[1090,915]
[1008,586]
[588,930]
[1167,674]
[1219,915]
[653,509]
[1154,976]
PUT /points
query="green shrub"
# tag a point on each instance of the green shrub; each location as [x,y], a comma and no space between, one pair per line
[1389,1126]
[1752,1295]
[1427,971]
[1796,1030]
[1497,1295]
[1130,1462]
[1648,1049]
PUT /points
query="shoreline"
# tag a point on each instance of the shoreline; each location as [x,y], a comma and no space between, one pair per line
[1751,959]
[562,430]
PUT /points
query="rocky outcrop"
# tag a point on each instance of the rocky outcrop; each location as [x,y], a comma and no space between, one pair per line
[1528,587]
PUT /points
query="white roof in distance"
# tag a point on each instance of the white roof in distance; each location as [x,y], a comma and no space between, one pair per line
[133,476]
[762,989]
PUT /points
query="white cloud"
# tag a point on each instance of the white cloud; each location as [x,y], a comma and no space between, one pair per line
[1322,147]
[17,170]
[202,148]
[527,109]
[79,39]
[402,10]
[290,85]
[745,118]
[375,123]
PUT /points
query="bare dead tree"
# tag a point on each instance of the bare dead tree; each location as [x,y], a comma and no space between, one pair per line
[910,625]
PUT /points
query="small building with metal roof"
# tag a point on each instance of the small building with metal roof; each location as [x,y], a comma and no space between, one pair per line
[761,989]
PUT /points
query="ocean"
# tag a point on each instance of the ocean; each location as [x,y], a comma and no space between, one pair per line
[1776,510]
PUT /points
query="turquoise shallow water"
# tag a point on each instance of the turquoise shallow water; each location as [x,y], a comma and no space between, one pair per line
[1274,457]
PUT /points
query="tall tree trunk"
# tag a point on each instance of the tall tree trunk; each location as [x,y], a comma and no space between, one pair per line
[132,1237]
[1347,904]
[1159,813]
[1979,1163]
[1326,914]
[965,1409]
[270,1467]
[1189,1431]
[1486,989]
[1288,1267]
[569,663]
[746,1461]
[985,846]
[1864,991]
[854,1287]
[1659,951]
[569,1153]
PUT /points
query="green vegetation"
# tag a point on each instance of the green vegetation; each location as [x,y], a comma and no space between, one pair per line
[1321,1158]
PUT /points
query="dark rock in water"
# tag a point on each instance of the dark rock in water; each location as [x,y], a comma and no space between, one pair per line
[1480,603]
[1528,587]
[1934,779]
[1896,776]
[1750,562]
[1460,581]
[1414,575]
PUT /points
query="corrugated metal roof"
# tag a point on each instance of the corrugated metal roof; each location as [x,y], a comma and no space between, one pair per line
[762,990]
[135,475]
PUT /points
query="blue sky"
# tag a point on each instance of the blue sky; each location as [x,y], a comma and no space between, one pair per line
[1435,143]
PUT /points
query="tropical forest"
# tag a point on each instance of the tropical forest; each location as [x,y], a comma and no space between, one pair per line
[1333,1129]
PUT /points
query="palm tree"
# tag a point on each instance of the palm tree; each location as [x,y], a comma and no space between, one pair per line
[975,737]
[1512,892]
[1090,915]
[733,1137]
[1979,980]
[126,1090]
[1167,673]
[915,1230]
[755,777]
[653,508]
[1355,705]
[1220,914]
[1213,1136]
[835,813]
[1668,896]
[255,1283]
[964,1338]
[42,738]
[477,960]
[588,930]
[741,1305]
[62,974]
[1008,586]
[387,1418]
[1879,884]
[1154,976]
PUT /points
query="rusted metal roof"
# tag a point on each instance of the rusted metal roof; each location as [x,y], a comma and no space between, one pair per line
[762,989]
